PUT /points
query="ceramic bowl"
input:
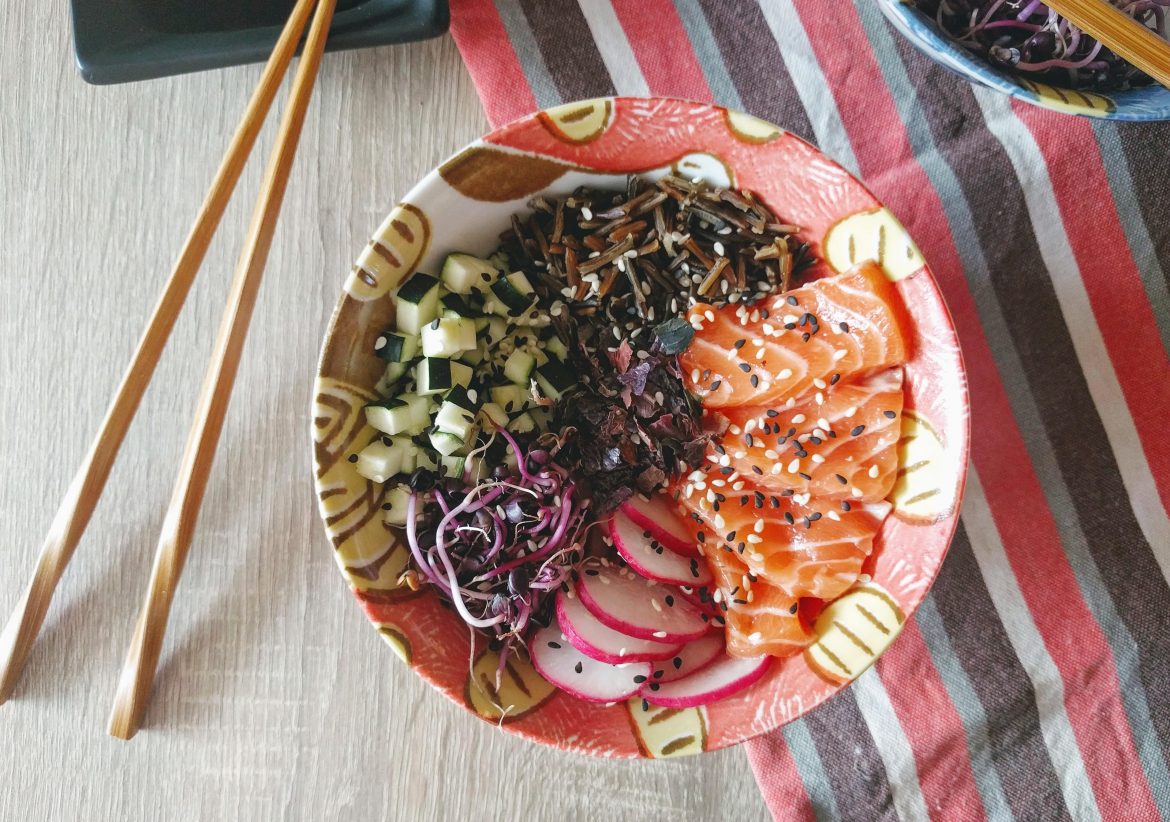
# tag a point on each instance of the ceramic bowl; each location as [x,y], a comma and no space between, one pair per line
[1144,104]
[462,206]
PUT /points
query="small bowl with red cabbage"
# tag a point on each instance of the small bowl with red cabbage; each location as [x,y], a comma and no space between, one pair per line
[1024,49]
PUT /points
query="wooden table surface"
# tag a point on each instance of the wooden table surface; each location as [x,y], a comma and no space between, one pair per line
[274,699]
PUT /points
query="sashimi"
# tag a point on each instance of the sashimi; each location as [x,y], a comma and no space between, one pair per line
[841,443]
[781,347]
[805,547]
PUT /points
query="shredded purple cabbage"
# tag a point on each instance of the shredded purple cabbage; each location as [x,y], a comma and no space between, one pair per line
[1028,37]
[499,549]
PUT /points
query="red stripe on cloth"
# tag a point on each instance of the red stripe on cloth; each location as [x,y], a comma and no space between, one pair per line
[662,49]
[779,779]
[1111,278]
[936,733]
[886,158]
[488,54]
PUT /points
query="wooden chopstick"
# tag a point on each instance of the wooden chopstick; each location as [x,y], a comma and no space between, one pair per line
[79,502]
[179,524]
[1120,32]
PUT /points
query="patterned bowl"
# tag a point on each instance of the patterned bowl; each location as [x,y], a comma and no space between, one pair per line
[463,205]
[1145,104]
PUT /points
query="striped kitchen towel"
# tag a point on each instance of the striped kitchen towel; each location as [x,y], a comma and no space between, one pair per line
[1034,682]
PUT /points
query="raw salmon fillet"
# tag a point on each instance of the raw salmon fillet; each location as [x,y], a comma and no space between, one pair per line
[831,328]
[805,547]
[760,618]
[840,443]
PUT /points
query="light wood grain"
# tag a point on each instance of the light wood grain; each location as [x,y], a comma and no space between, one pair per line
[182,515]
[1118,30]
[274,698]
[85,490]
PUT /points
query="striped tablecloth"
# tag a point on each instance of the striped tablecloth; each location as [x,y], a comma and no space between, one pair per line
[1034,682]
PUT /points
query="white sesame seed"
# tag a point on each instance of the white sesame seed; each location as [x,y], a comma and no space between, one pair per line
[718,483]
[660,634]
[793,466]
[819,383]
[817,458]
[724,461]
[856,491]
[776,468]
[784,374]
[721,523]
[823,423]
[759,526]
[586,213]
[755,636]
[710,315]
[798,419]
[694,374]
[717,247]
[735,430]
[755,539]
[833,515]
[873,471]
[771,454]
[656,606]
[820,398]
[849,412]
[839,354]
[749,426]
[740,454]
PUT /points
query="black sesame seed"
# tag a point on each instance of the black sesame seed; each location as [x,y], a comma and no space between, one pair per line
[755,381]
[669,601]
[353,457]
[832,435]
[800,452]
[703,617]
[789,518]
[676,662]
[774,502]
[646,534]
[856,431]
[658,674]
[743,500]
[741,547]
[815,440]
[578,667]
[807,522]
[787,492]
[891,414]
[715,385]
[720,620]
[747,438]
[654,686]
[731,536]
[740,344]
[782,440]
[792,300]
[841,479]
[805,476]
[805,336]
[789,326]
[592,572]
[792,432]
[386,506]
[772,412]
[740,601]
[757,470]
[845,506]
[844,327]
[640,679]
[552,644]
[726,470]
[814,516]
[702,535]
[793,609]
[744,367]
[834,378]
[645,705]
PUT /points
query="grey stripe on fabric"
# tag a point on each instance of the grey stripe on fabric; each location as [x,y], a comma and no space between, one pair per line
[1028,647]
[809,81]
[567,48]
[607,34]
[1000,684]
[754,63]
[852,763]
[998,211]
[893,746]
[710,60]
[969,708]
[1137,232]
[528,54]
[811,769]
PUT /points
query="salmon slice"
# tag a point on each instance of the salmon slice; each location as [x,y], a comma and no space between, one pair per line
[805,547]
[758,618]
[840,443]
[779,348]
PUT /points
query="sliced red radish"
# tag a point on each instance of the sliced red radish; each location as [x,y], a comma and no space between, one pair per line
[595,639]
[693,657]
[718,680]
[661,518]
[649,557]
[585,678]
[638,607]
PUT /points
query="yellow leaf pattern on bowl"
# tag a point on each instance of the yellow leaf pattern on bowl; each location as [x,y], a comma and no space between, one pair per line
[751,129]
[391,255]
[852,632]
[396,640]
[664,732]
[580,122]
[872,235]
[521,689]
[1069,101]
[925,488]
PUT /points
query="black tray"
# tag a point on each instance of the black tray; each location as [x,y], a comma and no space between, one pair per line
[118,41]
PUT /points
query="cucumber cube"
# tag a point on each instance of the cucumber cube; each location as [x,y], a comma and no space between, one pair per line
[519,367]
[416,303]
[447,337]
[379,461]
[396,347]
[394,505]
[462,273]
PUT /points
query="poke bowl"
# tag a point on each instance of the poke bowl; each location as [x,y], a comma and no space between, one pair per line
[1147,103]
[427,466]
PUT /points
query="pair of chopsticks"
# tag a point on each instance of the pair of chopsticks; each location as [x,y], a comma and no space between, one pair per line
[1119,31]
[179,524]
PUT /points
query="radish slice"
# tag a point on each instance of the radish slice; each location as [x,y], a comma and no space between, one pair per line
[659,516]
[650,558]
[718,680]
[594,639]
[693,657]
[639,607]
[573,672]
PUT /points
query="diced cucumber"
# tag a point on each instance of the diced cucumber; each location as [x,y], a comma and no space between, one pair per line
[541,415]
[394,505]
[390,378]
[455,307]
[446,443]
[447,338]
[554,379]
[519,367]
[433,375]
[522,423]
[409,453]
[494,330]
[452,466]
[462,273]
[511,398]
[512,295]
[474,356]
[454,419]
[461,373]
[396,347]
[425,458]
[538,354]
[379,461]
[392,416]
[416,303]
[556,347]
[420,412]
[494,414]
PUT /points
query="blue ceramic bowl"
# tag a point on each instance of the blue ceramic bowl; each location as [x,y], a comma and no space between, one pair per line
[1144,104]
